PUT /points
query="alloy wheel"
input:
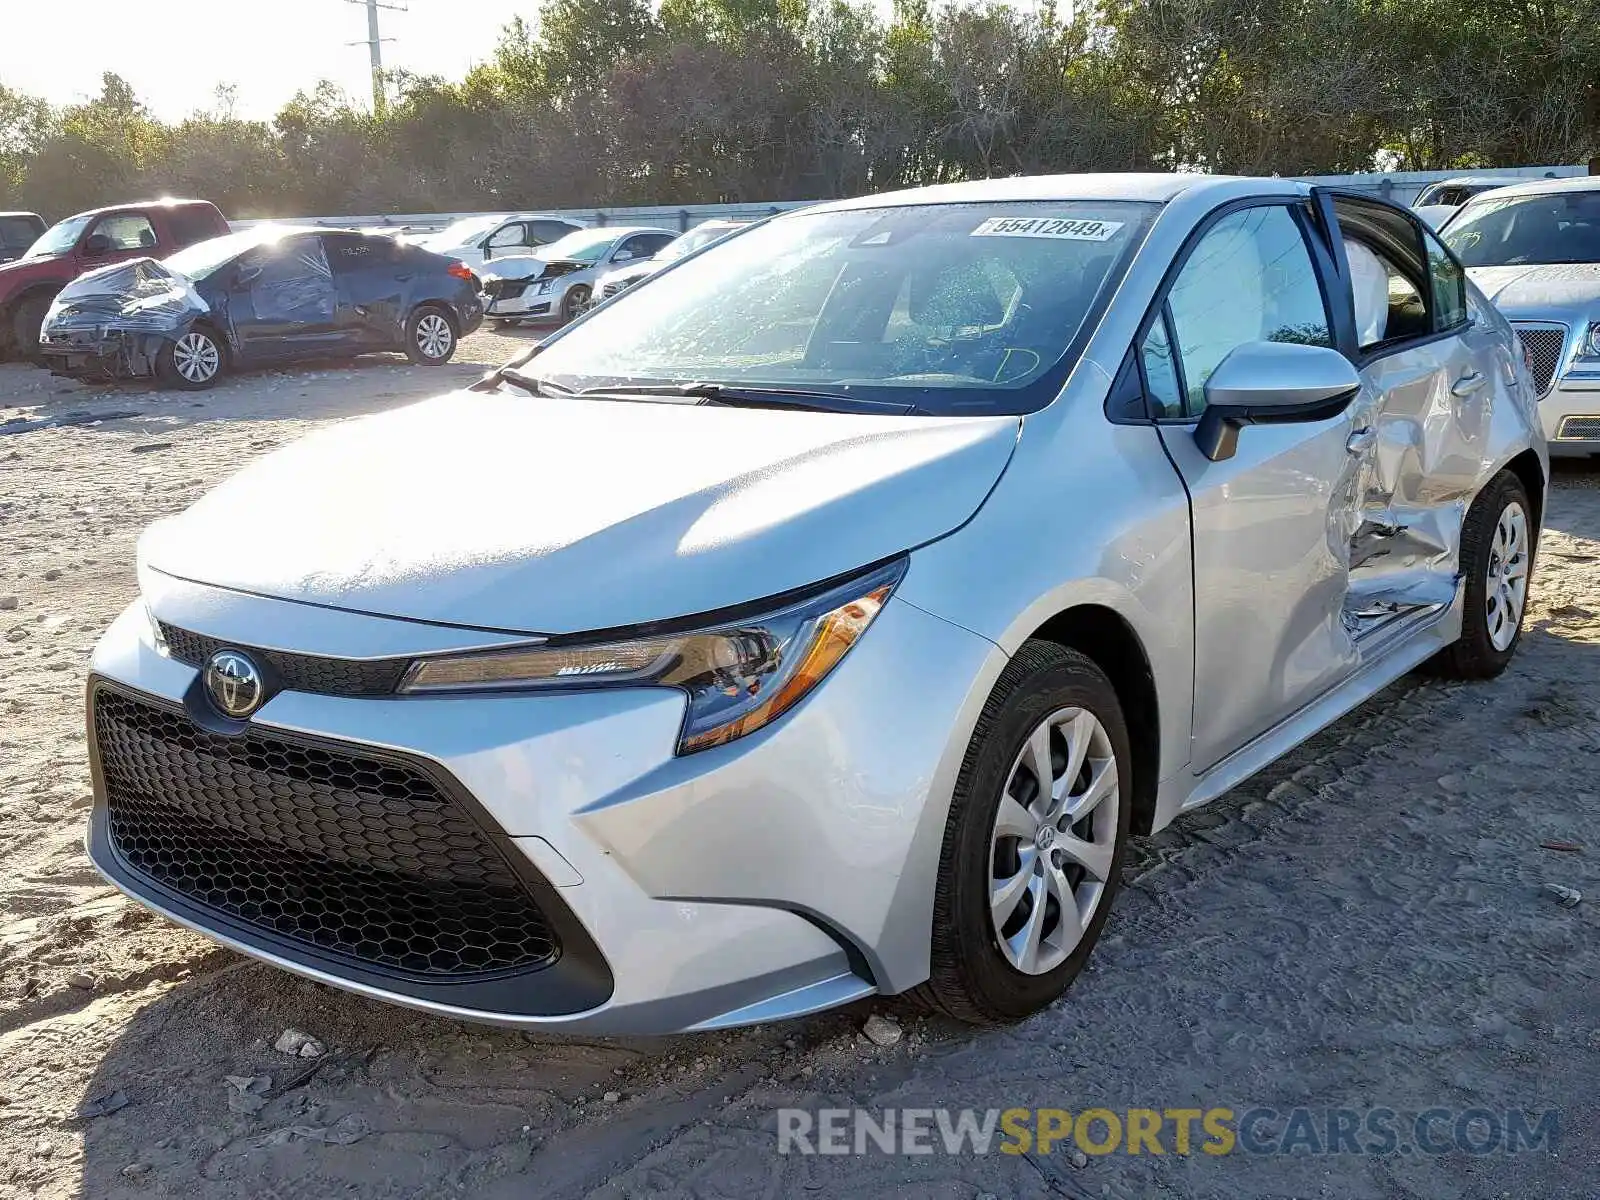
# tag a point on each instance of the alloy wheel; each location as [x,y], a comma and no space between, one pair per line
[1506,590]
[434,336]
[196,357]
[1054,840]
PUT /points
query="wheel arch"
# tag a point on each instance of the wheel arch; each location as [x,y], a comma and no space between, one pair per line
[1105,636]
[1530,471]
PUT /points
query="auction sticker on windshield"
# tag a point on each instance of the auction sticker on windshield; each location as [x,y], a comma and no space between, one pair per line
[1048,227]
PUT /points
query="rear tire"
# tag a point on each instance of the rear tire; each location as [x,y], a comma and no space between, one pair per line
[430,336]
[989,965]
[1498,540]
[193,362]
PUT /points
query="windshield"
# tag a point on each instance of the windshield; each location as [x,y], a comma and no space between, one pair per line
[59,238]
[953,308]
[1558,227]
[585,246]
[459,233]
[202,258]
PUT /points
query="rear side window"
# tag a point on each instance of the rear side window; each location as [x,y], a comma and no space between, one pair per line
[541,232]
[193,224]
[18,233]
[348,252]
[1449,285]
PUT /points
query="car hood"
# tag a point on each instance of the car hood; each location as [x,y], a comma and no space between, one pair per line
[139,295]
[1540,291]
[565,515]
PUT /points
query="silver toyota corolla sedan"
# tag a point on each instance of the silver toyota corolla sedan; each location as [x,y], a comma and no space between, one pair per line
[1535,251]
[821,617]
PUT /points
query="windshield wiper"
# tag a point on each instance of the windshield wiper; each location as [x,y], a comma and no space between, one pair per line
[755,396]
[528,383]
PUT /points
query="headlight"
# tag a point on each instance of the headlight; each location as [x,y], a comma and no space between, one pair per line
[739,676]
[544,286]
[1591,341]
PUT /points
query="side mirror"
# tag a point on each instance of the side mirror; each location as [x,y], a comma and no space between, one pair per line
[1272,383]
[96,244]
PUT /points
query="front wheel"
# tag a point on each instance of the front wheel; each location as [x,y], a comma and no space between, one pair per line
[192,362]
[430,337]
[25,323]
[574,302]
[1497,545]
[1034,841]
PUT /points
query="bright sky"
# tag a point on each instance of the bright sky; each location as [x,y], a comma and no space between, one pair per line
[176,52]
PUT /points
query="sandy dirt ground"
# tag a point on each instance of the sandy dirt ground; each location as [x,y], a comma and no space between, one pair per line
[1363,925]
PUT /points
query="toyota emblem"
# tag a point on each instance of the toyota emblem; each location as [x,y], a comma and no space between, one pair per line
[234,683]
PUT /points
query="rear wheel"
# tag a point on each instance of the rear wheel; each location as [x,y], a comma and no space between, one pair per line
[1497,545]
[1034,841]
[192,362]
[430,337]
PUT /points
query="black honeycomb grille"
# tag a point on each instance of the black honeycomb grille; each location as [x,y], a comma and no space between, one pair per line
[361,858]
[295,672]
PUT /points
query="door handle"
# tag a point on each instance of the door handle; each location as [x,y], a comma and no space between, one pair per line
[1362,440]
[1468,384]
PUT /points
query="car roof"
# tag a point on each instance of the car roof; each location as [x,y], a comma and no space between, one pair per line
[1544,187]
[1151,186]
[624,230]
[164,202]
[20,212]
[1473,181]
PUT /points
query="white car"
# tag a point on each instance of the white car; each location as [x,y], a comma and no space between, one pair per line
[555,285]
[478,241]
[619,279]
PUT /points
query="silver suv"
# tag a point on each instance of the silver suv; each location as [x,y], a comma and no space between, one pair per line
[823,617]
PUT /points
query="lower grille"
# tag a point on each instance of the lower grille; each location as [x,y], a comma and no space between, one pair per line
[1578,429]
[611,289]
[295,672]
[360,857]
[506,289]
[1542,344]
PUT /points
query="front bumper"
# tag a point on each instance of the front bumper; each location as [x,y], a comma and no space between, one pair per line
[1570,414]
[115,355]
[790,871]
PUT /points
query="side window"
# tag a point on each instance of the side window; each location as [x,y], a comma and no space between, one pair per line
[191,225]
[127,231]
[294,284]
[1449,285]
[540,232]
[631,249]
[653,243]
[1160,372]
[344,251]
[508,236]
[1249,279]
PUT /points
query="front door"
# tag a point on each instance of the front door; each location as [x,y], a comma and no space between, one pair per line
[283,303]
[1271,523]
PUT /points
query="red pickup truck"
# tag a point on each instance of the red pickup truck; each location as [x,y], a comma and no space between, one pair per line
[152,229]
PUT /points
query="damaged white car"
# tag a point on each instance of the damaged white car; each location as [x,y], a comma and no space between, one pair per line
[555,285]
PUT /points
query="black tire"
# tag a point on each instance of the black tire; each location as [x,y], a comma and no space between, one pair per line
[971,978]
[420,341]
[574,302]
[25,322]
[1474,655]
[185,376]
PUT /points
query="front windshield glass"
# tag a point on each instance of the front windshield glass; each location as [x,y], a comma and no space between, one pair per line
[1558,227]
[952,308]
[202,258]
[585,246]
[59,238]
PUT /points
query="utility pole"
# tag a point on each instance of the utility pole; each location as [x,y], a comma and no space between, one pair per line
[374,44]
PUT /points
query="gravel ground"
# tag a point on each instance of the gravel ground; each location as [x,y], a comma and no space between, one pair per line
[1363,925]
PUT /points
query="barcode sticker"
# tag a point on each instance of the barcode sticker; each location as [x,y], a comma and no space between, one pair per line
[1048,227]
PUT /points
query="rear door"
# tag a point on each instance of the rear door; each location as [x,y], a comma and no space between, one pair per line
[1270,569]
[369,282]
[1432,378]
